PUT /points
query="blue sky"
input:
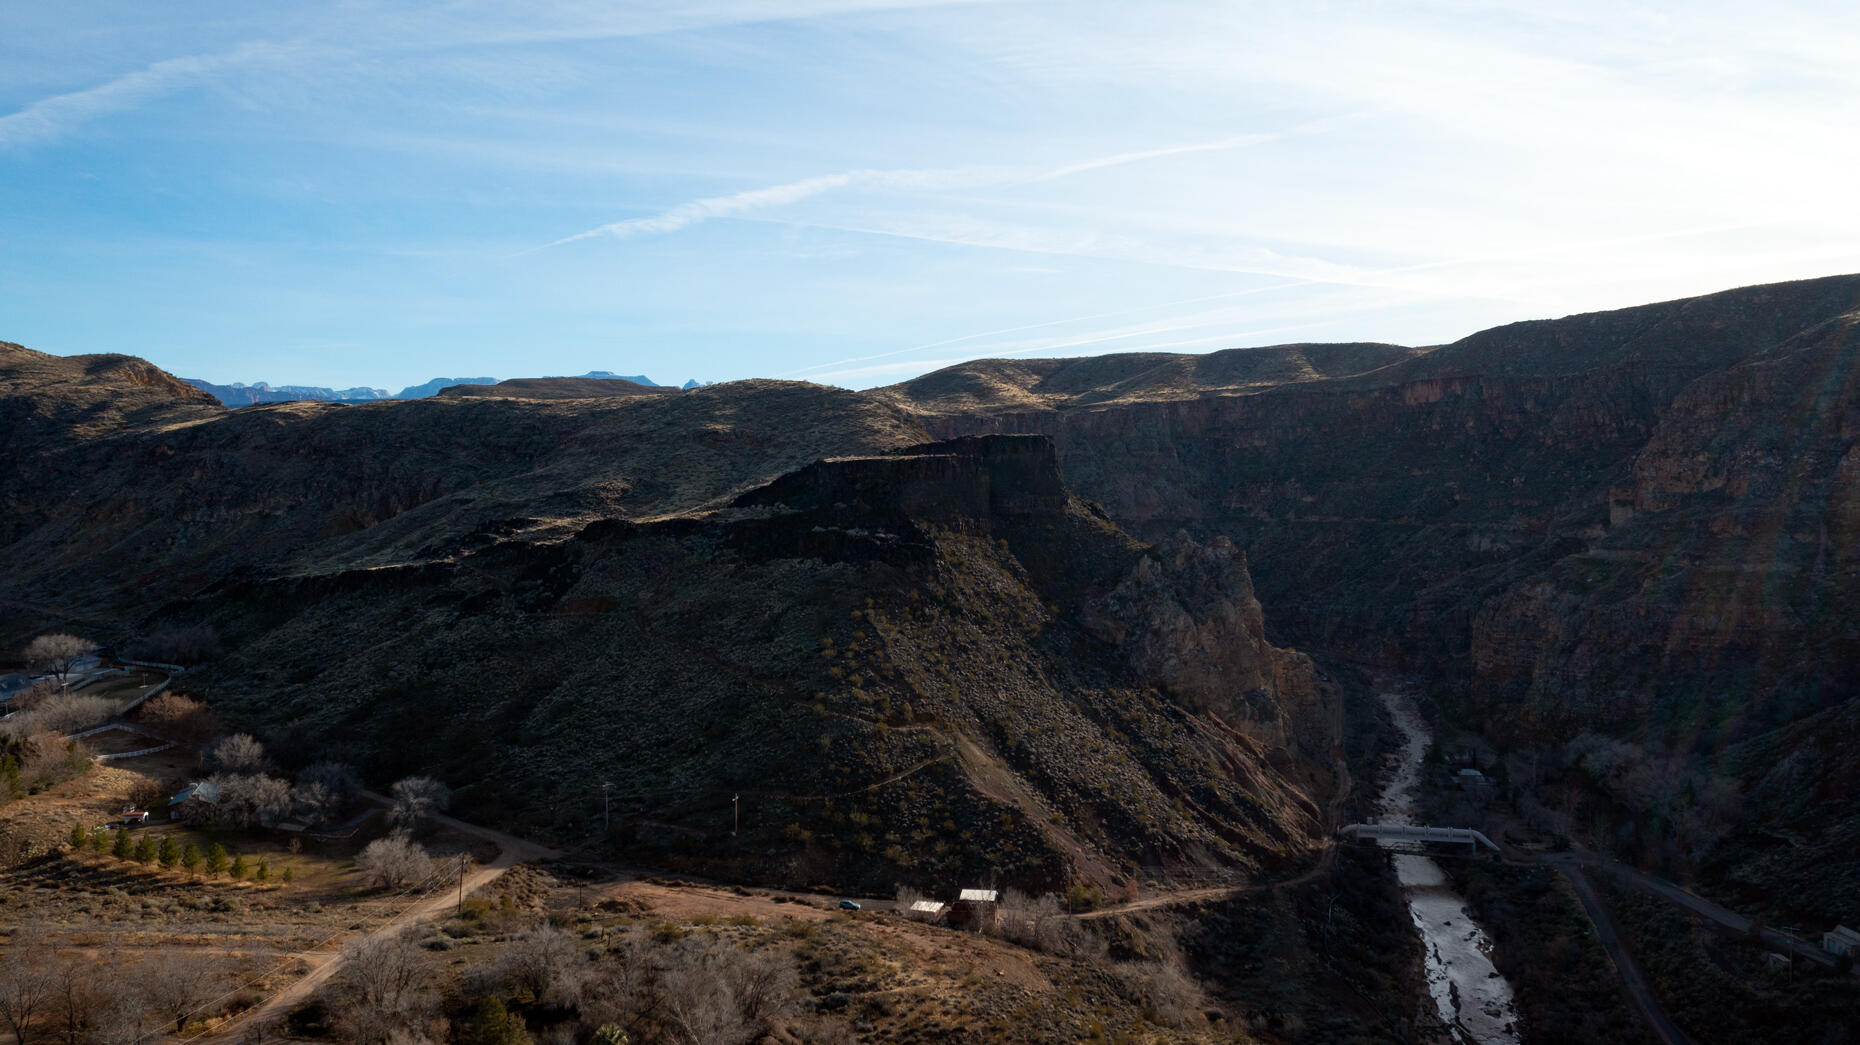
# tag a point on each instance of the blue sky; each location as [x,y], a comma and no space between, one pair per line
[857,192]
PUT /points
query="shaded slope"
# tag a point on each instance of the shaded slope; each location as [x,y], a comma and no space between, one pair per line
[130,488]
[881,655]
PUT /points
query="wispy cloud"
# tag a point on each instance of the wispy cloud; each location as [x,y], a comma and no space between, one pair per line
[53,117]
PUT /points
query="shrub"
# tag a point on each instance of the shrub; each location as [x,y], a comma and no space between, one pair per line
[239,869]
[216,859]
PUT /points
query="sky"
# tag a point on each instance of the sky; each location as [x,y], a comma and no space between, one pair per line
[859,191]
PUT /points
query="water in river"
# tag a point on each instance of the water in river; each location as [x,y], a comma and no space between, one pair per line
[1469,993]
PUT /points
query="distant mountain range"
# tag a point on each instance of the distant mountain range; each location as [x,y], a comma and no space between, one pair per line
[240,394]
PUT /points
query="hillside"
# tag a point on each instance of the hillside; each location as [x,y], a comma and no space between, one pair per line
[1640,522]
[149,491]
[883,656]
[557,388]
[926,663]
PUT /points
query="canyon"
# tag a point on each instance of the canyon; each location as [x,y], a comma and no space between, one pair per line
[1053,623]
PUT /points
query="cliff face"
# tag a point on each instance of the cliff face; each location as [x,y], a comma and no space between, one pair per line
[1186,617]
[1575,522]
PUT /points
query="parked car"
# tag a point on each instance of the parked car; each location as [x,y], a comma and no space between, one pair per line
[849,905]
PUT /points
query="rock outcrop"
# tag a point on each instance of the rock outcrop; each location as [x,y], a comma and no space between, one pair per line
[1185,615]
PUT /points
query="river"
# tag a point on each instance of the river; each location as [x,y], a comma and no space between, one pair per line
[1467,990]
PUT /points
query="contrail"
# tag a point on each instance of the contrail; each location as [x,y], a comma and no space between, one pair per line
[687,214]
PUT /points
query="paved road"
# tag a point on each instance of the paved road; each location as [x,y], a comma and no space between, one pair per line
[1637,988]
[1694,903]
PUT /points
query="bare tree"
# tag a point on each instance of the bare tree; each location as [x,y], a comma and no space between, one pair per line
[314,802]
[255,799]
[699,1003]
[716,994]
[416,799]
[339,777]
[390,987]
[238,753]
[180,985]
[1036,922]
[77,995]
[546,962]
[764,983]
[1166,995]
[58,653]
[64,713]
[180,718]
[622,988]
[28,984]
[395,861]
[123,1014]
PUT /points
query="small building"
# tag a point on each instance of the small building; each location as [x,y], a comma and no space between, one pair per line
[927,910]
[1841,941]
[190,802]
[135,816]
[1775,960]
[975,909]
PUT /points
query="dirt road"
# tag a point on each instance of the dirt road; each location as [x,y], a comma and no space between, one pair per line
[325,963]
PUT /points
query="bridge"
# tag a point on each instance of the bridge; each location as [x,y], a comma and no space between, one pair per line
[1410,833]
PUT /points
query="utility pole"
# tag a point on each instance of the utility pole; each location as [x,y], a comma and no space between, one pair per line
[606,806]
[461,883]
[734,821]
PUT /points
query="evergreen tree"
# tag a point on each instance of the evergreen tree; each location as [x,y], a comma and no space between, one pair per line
[168,853]
[493,1024]
[9,776]
[238,867]
[145,850]
[289,874]
[216,859]
[78,837]
[100,841]
[124,848]
[190,857]
[263,874]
